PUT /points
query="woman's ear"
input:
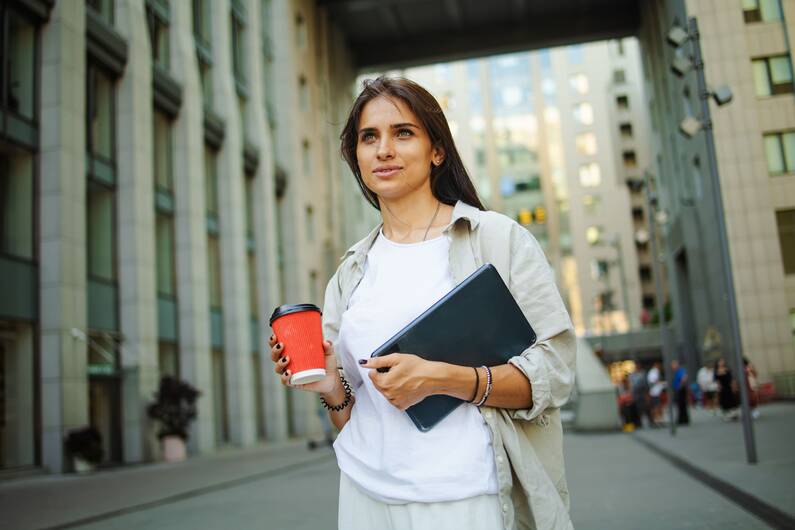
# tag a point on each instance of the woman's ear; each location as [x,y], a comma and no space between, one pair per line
[437,157]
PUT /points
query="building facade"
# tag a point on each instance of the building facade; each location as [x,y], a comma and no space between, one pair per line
[168,175]
[745,47]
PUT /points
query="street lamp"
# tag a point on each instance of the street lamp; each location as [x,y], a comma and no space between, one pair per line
[691,126]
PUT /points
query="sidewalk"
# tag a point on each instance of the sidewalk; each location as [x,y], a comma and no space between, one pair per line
[52,501]
[716,448]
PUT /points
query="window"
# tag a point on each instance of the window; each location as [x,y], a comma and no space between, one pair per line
[251,265]
[202,33]
[168,359]
[303,93]
[214,272]
[619,77]
[591,204]
[300,31]
[622,102]
[100,237]
[576,53]
[594,235]
[238,48]
[100,109]
[590,175]
[637,214]
[16,205]
[306,157]
[586,144]
[157,17]
[648,301]
[583,113]
[162,151]
[206,78]
[785,219]
[244,118]
[644,271]
[772,75]
[599,269]
[626,130]
[166,281]
[780,152]
[310,224]
[17,72]
[250,201]
[202,22]
[210,183]
[620,47]
[761,10]
[104,8]
[579,83]
[630,159]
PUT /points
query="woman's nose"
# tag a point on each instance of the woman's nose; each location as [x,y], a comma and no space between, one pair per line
[385,149]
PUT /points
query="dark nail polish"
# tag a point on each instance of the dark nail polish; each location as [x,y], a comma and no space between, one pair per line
[362,361]
[279,346]
[283,360]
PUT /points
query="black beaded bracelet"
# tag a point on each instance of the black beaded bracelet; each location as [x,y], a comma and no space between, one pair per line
[344,404]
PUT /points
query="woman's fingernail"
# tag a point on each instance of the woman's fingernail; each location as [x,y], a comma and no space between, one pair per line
[362,361]
[279,346]
[283,360]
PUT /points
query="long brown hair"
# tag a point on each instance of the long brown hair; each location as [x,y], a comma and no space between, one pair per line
[450,181]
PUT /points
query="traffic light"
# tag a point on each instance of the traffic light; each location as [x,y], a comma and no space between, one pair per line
[540,215]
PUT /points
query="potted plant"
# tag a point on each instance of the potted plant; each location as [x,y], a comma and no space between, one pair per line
[85,447]
[174,407]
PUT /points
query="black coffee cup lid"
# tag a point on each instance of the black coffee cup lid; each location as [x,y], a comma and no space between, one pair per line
[292,308]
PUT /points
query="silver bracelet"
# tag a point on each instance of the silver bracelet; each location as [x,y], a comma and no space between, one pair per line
[488,387]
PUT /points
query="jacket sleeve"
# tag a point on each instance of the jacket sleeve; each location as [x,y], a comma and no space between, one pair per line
[549,364]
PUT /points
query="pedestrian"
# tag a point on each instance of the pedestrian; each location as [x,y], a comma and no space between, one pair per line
[497,460]
[708,386]
[656,387]
[752,385]
[627,408]
[679,386]
[640,396]
[727,398]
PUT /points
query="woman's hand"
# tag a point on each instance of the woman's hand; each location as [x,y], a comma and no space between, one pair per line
[281,359]
[408,381]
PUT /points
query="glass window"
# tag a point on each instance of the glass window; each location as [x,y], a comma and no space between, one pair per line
[238,49]
[168,359]
[594,234]
[202,23]
[158,39]
[214,272]
[590,175]
[772,75]
[579,83]
[619,77]
[164,226]
[244,118]
[310,224]
[162,151]
[16,205]
[599,268]
[100,224]
[303,93]
[586,144]
[626,130]
[100,114]
[104,8]
[300,31]
[583,113]
[210,182]
[591,204]
[785,219]
[761,10]
[630,159]
[206,78]
[20,79]
[306,156]
[780,152]
[250,195]
[622,102]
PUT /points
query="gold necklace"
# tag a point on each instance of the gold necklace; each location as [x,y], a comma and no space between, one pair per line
[438,205]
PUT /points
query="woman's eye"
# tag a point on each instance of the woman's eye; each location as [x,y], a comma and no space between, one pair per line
[404,132]
[368,137]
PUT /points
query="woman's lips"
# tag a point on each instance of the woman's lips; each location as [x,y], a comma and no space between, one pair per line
[386,172]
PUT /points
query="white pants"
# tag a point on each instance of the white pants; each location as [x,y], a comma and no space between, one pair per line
[358,511]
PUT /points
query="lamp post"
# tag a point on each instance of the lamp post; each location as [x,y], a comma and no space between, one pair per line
[689,127]
[615,242]
[651,202]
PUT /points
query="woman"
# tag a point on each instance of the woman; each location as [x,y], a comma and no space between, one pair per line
[496,465]
[727,398]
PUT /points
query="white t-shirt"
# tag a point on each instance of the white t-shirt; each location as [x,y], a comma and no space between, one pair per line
[379,448]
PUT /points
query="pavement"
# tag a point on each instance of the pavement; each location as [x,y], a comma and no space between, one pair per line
[647,479]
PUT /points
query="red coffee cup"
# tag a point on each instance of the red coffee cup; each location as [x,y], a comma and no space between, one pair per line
[300,330]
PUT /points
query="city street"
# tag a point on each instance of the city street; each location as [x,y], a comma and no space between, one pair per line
[617,481]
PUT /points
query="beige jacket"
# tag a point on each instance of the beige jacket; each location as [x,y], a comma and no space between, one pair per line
[528,443]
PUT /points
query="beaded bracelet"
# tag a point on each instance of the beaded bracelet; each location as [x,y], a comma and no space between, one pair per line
[344,404]
[477,385]
[488,387]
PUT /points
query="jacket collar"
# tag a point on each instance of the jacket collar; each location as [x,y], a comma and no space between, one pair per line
[461,210]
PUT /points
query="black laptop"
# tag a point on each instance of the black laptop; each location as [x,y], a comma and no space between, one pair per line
[477,323]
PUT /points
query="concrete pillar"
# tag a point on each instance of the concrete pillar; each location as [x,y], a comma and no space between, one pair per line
[136,233]
[191,229]
[265,234]
[231,203]
[62,270]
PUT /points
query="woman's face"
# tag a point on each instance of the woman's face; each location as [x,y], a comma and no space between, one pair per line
[394,152]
